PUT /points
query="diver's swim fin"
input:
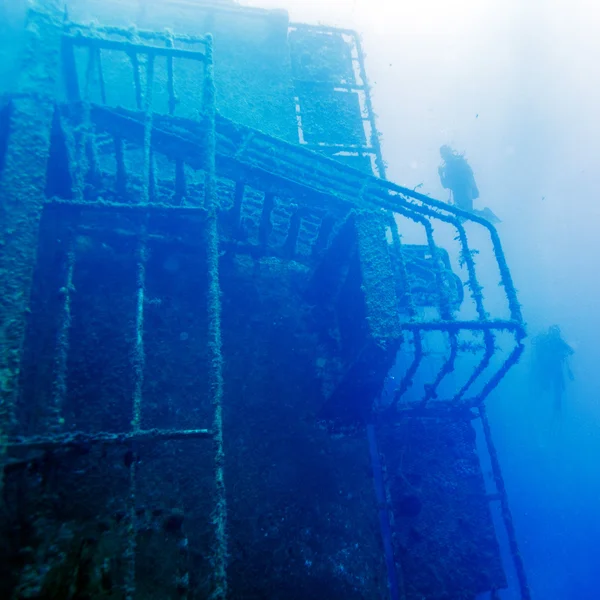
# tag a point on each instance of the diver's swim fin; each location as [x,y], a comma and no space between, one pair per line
[486,213]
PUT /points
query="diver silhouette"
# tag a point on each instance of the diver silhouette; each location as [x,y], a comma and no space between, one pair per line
[457,176]
[550,362]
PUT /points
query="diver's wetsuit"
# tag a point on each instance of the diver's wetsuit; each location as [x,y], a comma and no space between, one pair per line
[551,357]
[457,175]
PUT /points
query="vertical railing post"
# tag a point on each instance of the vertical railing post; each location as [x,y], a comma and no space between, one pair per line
[139,361]
[507,518]
[139,358]
[219,518]
[59,384]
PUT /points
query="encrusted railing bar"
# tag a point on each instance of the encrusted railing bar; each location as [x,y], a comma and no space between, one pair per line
[265,226]
[102,232]
[135,63]
[512,359]
[121,171]
[82,151]
[92,158]
[374,133]
[506,277]
[219,517]
[89,73]
[236,210]
[489,342]
[446,369]
[467,257]
[407,380]
[59,383]
[350,148]
[170,76]
[441,325]
[147,174]
[524,590]
[132,48]
[139,361]
[118,206]
[180,185]
[142,34]
[414,200]
[85,439]
[311,83]
[152,183]
[139,356]
[100,76]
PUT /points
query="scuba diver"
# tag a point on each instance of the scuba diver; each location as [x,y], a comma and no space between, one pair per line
[457,176]
[550,362]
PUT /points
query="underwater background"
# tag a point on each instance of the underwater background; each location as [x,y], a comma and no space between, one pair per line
[515,85]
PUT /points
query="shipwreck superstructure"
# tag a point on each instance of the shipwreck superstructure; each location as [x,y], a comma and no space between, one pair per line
[204,286]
